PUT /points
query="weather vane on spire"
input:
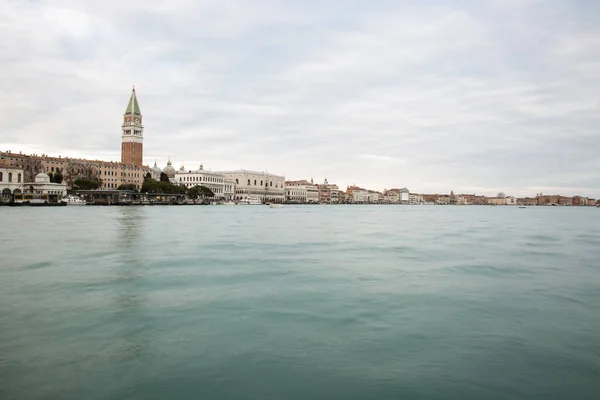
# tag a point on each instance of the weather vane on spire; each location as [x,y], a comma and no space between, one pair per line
[133,86]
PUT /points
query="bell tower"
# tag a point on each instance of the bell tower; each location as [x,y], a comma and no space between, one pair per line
[132,133]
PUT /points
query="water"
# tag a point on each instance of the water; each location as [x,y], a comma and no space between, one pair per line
[322,302]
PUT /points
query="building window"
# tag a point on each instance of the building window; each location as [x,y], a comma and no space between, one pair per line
[19,178]
[255,182]
[236,181]
[10,177]
[1,176]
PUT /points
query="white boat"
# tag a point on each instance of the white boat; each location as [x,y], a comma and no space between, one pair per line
[251,200]
[229,203]
[74,201]
[275,205]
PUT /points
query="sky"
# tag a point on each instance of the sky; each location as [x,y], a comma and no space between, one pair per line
[479,96]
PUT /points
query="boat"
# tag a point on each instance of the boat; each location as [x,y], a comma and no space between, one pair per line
[275,205]
[229,203]
[251,200]
[522,207]
[74,201]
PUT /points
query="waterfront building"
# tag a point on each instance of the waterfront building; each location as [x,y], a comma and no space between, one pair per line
[218,183]
[228,189]
[302,194]
[11,182]
[443,199]
[360,196]
[414,198]
[391,196]
[350,193]
[42,185]
[375,197]
[527,201]
[404,195]
[510,201]
[267,187]
[132,137]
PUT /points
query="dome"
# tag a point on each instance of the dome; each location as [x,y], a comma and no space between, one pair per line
[42,178]
[404,190]
[169,170]
[156,169]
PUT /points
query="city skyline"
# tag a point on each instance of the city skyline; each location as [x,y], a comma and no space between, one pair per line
[475,98]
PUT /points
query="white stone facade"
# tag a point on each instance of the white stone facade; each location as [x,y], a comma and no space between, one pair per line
[360,196]
[302,194]
[11,182]
[404,195]
[267,187]
[415,199]
[221,186]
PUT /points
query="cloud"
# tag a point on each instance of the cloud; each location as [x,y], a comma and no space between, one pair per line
[493,96]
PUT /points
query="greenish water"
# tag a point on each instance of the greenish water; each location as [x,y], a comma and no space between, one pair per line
[323,302]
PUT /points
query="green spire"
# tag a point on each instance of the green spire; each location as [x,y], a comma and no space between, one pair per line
[133,107]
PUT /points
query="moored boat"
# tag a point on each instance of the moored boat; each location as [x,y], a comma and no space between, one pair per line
[74,201]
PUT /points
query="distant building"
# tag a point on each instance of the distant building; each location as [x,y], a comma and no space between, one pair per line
[219,184]
[360,196]
[414,198]
[404,195]
[11,182]
[391,196]
[265,186]
[42,185]
[302,194]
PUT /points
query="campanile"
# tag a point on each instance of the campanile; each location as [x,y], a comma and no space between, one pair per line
[132,133]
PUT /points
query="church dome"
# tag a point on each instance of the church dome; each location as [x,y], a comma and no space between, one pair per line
[156,169]
[169,170]
[404,190]
[42,178]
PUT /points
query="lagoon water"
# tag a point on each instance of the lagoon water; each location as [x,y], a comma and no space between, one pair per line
[322,302]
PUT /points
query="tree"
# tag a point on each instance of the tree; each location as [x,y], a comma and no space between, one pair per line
[194,192]
[86,184]
[206,192]
[152,186]
[128,186]
[164,177]
[58,178]
[501,195]
[147,177]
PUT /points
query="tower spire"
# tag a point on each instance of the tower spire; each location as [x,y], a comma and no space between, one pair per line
[133,106]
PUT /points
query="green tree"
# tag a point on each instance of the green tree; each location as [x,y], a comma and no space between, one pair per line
[58,178]
[127,186]
[206,192]
[147,177]
[194,192]
[86,184]
[164,177]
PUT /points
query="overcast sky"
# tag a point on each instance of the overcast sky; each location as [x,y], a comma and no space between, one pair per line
[472,96]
